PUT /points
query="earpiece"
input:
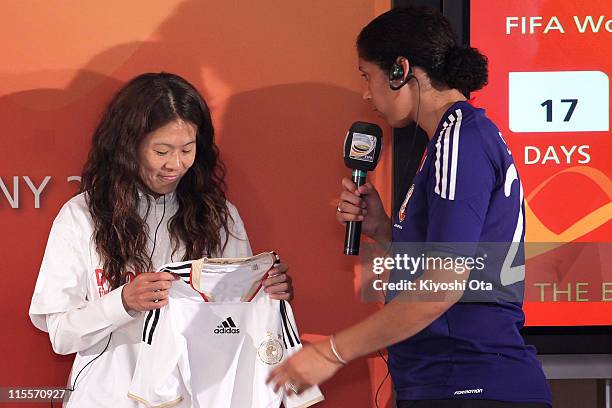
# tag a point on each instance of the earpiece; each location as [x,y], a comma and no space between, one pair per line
[396,75]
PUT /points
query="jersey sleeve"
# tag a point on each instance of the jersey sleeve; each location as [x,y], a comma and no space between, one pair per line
[460,184]
[157,378]
[292,344]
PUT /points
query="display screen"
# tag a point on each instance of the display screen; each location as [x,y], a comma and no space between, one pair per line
[549,94]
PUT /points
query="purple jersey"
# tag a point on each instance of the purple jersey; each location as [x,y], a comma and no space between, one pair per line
[468,191]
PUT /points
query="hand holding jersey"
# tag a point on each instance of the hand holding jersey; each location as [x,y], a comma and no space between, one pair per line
[313,365]
[278,285]
[147,291]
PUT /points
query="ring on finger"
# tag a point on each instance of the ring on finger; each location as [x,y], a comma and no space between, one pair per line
[338,209]
[290,385]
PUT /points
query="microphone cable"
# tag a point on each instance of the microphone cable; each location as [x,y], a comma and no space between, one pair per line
[380,354]
[74,383]
[157,229]
[416,127]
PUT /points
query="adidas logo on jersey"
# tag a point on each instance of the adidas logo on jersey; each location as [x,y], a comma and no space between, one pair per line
[227,327]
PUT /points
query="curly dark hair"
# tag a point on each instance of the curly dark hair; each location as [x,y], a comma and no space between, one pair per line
[111,180]
[427,40]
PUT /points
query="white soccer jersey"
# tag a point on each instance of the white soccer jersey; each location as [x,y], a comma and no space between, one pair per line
[215,343]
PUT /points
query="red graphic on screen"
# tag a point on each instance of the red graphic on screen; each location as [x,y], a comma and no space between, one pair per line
[565,174]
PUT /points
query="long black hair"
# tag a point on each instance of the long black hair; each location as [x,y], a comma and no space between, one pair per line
[111,180]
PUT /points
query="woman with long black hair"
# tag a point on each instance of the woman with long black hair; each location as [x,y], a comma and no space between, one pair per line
[444,351]
[152,192]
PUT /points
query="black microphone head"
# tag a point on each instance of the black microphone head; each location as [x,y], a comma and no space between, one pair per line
[362,146]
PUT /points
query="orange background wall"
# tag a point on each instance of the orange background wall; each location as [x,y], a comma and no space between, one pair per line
[281,79]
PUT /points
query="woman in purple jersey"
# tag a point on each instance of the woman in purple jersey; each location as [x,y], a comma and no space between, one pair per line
[443,352]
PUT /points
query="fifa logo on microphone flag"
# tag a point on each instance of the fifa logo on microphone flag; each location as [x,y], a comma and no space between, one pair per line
[363,147]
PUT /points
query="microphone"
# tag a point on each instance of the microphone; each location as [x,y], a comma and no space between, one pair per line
[362,147]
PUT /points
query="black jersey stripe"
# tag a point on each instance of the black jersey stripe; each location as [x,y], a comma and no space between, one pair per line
[283,333]
[186,272]
[231,322]
[176,268]
[155,320]
[284,341]
[284,320]
[181,274]
[146,325]
[293,330]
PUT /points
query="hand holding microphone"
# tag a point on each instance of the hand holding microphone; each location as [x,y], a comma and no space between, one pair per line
[360,206]
[364,204]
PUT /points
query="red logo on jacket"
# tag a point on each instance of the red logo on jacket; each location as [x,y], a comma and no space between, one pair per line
[102,282]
